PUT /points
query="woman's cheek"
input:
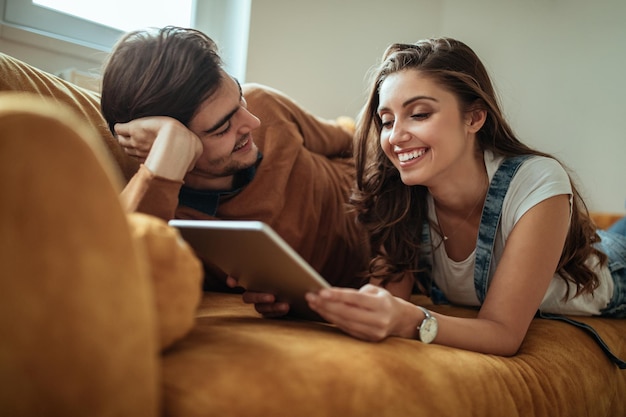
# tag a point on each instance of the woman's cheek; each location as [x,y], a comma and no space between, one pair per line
[384,144]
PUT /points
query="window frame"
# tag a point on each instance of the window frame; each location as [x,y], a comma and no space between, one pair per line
[51,23]
[225,21]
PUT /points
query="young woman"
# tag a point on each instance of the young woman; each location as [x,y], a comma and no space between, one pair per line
[422,191]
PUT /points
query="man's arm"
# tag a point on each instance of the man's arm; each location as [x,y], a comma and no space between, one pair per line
[168,151]
[330,138]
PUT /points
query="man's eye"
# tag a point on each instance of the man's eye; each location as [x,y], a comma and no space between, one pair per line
[224,131]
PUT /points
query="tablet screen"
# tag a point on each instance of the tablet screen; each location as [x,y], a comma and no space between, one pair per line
[257,256]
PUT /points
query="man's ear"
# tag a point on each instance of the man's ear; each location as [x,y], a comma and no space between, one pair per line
[475,119]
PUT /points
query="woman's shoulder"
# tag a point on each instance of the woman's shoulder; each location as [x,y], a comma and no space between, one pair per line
[536,180]
[535,167]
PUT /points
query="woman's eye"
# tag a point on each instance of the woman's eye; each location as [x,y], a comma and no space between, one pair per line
[386,124]
[420,116]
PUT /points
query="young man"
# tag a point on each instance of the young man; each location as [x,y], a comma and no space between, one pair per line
[211,148]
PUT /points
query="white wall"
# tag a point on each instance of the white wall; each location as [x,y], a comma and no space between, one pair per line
[320,51]
[557,64]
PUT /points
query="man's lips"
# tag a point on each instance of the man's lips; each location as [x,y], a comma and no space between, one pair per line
[242,144]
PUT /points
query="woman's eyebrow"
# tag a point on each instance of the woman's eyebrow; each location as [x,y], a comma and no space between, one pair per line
[411,101]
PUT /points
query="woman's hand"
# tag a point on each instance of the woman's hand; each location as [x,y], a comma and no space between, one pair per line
[371,313]
[164,145]
[264,303]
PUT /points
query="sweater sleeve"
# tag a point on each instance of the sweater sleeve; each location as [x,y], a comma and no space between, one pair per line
[149,194]
[326,137]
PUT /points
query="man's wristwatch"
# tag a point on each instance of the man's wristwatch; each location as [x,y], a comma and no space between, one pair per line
[427,329]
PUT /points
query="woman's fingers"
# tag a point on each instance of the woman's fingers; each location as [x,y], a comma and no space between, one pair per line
[365,313]
[367,297]
[357,322]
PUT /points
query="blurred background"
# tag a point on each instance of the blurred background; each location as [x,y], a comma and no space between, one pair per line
[558,65]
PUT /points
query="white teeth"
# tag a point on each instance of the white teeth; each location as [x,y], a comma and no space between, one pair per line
[407,156]
[241,145]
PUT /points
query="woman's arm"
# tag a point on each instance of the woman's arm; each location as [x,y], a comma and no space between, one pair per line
[528,264]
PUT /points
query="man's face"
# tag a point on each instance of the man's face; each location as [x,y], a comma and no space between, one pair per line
[224,125]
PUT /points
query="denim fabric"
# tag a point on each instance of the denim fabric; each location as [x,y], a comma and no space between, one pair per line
[426,261]
[490,220]
[619,227]
[614,245]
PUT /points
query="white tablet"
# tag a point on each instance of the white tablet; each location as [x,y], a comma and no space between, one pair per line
[257,256]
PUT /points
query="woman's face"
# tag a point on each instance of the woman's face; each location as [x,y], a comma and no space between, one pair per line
[224,125]
[424,133]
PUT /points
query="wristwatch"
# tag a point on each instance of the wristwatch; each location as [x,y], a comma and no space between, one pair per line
[427,329]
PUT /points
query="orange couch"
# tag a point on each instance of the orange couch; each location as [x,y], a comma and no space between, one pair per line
[101,312]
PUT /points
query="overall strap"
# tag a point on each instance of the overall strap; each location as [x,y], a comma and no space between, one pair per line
[426,262]
[621,364]
[490,220]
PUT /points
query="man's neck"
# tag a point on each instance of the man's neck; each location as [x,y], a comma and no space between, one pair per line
[197,182]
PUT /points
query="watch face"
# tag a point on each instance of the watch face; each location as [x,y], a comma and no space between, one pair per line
[428,330]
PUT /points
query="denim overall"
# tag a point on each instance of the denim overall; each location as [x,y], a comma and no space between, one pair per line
[484,249]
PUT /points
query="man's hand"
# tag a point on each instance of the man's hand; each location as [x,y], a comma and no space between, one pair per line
[164,145]
[264,303]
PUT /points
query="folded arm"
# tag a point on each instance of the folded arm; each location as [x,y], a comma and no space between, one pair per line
[168,150]
[524,273]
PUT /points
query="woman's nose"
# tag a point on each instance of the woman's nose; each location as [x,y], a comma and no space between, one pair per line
[398,134]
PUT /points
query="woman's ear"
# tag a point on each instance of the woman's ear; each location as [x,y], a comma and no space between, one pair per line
[475,119]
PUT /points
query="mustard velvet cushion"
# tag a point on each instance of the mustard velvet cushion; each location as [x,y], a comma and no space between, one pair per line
[235,363]
[176,273]
[16,75]
[77,320]
[604,220]
[89,295]
[176,276]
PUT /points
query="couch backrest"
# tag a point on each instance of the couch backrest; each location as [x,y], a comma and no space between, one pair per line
[16,75]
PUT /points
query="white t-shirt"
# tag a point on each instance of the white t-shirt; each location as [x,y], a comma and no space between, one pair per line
[537,179]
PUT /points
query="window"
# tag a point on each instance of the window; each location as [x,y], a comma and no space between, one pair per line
[126,15]
[99,24]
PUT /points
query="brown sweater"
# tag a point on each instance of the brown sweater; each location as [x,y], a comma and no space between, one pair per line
[300,188]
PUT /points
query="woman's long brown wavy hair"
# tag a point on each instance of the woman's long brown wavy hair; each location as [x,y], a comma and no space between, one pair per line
[393,213]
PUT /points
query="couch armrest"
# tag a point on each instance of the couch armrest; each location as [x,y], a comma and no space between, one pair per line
[604,220]
[77,314]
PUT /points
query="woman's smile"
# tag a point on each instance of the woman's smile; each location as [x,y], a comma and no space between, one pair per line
[406,157]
